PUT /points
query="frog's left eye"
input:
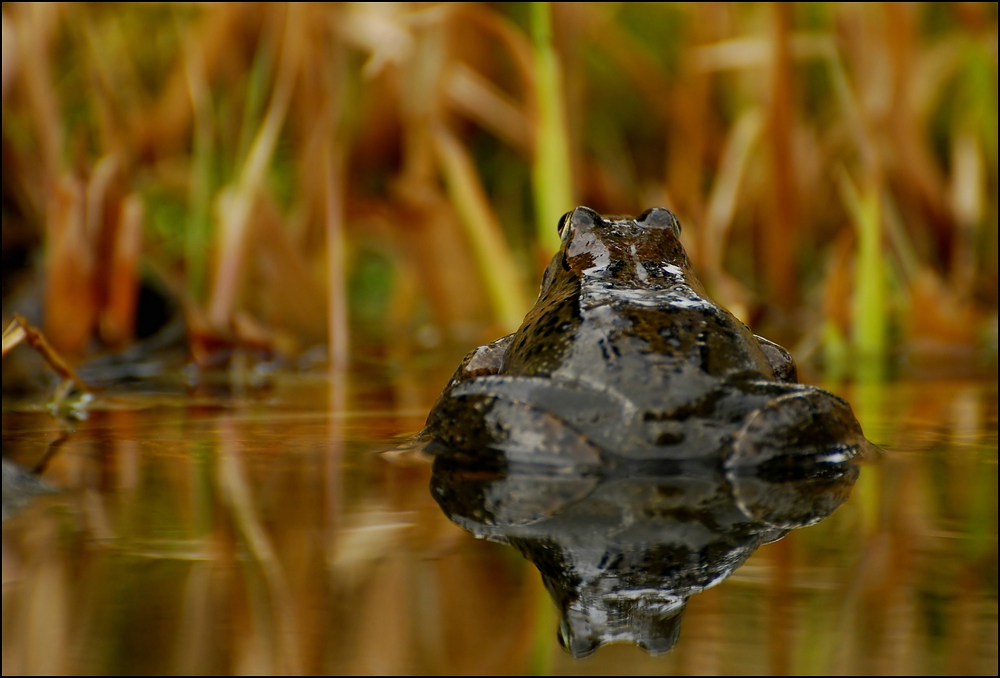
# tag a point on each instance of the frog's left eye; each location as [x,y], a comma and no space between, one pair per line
[660,217]
[562,222]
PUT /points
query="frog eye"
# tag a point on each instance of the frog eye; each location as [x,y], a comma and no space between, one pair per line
[562,222]
[660,217]
[581,218]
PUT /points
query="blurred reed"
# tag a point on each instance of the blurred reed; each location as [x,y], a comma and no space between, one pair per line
[395,172]
[552,180]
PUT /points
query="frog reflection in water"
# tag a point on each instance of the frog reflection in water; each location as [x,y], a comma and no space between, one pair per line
[622,376]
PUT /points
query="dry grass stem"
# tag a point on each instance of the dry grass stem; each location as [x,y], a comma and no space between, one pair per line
[25,331]
[500,275]
[236,203]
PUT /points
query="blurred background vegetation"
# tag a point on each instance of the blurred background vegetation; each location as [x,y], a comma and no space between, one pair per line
[380,179]
[380,184]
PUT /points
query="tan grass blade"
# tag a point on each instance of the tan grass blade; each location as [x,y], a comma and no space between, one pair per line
[490,249]
[236,202]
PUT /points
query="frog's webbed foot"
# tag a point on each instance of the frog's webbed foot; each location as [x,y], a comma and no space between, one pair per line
[479,362]
[781,361]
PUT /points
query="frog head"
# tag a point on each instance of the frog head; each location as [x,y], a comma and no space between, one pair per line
[643,251]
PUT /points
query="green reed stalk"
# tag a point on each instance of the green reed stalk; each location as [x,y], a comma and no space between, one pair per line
[479,221]
[540,661]
[836,354]
[196,240]
[238,198]
[869,310]
[870,321]
[200,191]
[551,178]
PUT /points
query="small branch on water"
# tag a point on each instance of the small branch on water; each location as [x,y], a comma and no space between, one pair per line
[12,336]
[21,330]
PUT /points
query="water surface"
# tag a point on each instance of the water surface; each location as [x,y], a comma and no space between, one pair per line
[264,529]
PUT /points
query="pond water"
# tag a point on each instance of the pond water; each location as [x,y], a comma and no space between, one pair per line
[284,526]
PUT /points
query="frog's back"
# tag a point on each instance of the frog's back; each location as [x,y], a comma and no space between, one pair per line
[619,336]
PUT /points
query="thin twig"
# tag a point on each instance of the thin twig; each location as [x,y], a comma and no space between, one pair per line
[12,336]
[37,341]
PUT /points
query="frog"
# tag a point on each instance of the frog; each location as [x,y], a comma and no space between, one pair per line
[624,360]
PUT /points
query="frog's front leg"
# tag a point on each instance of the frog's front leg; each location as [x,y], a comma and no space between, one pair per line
[482,361]
[780,360]
[479,362]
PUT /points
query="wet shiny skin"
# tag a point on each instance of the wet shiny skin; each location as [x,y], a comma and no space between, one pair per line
[625,357]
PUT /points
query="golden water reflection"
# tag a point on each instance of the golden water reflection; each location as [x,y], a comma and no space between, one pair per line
[266,532]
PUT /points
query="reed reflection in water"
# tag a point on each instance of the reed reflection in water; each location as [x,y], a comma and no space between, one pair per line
[269,535]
